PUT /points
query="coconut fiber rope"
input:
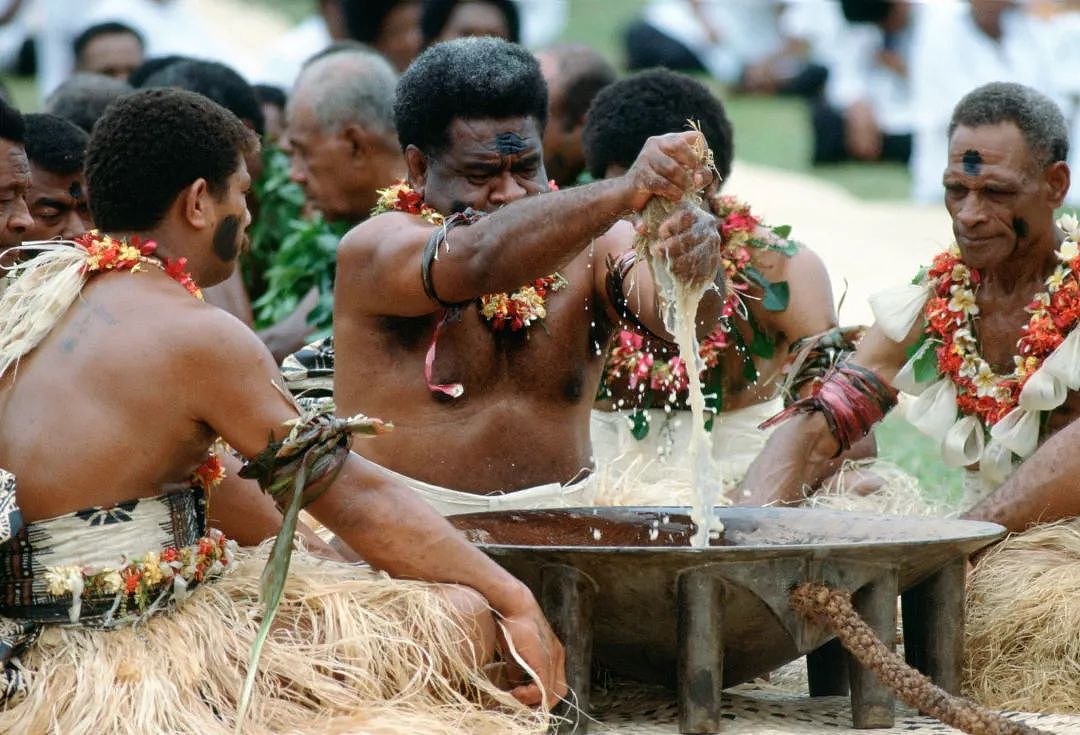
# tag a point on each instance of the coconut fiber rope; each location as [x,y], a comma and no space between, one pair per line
[818,603]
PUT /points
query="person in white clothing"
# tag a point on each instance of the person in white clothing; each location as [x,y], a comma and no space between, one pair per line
[958,47]
[866,111]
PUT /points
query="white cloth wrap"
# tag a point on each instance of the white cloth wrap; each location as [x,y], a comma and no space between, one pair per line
[452,502]
[735,437]
[934,411]
[897,309]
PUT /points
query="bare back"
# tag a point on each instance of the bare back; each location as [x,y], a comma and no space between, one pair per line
[112,404]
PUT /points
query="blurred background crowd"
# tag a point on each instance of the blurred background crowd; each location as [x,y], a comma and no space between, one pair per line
[878,78]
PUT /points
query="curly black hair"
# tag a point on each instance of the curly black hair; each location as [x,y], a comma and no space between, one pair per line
[437,14]
[54,144]
[12,127]
[652,102]
[216,81]
[1036,116]
[470,79]
[151,145]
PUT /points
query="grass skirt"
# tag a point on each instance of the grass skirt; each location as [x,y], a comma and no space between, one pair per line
[1023,622]
[352,651]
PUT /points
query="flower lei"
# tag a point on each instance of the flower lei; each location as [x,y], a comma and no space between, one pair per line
[142,580]
[740,232]
[513,311]
[950,313]
[105,253]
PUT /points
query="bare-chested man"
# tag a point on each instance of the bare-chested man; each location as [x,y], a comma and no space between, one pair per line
[783,299]
[491,395]
[989,316]
[103,423]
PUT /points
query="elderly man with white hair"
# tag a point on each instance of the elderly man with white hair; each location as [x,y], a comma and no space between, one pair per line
[340,132]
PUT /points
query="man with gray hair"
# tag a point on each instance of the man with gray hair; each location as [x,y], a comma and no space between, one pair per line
[986,337]
[340,132]
[83,97]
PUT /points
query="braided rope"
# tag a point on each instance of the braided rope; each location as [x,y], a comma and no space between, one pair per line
[818,603]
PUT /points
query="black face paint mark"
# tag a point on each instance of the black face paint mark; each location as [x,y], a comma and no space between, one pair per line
[457,206]
[75,190]
[972,162]
[509,144]
[226,246]
[1020,226]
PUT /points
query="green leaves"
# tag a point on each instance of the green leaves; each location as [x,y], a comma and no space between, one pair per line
[290,254]
[775,296]
[639,424]
[924,365]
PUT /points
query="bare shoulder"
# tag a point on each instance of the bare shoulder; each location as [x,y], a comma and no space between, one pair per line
[618,239]
[793,259]
[385,230]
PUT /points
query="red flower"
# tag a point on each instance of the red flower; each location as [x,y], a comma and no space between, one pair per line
[408,200]
[738,222]
[131,580]
[210,472]
[170,555]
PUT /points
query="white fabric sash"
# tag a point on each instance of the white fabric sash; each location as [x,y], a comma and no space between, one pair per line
[451,502]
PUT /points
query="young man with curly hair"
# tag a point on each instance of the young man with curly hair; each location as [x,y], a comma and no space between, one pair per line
[781,312]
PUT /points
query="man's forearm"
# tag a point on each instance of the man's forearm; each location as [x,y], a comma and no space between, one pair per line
[1043,488]
[526,239]
[396,531]
[800,452]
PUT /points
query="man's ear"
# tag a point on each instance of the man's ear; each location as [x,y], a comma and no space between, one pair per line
[416,163]
[359,140]
[1057,178]
[194,203]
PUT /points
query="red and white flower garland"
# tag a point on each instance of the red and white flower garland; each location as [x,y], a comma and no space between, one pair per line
[976,413]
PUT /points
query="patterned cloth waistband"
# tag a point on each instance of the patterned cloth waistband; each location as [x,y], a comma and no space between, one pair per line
[90,552]
[100,567]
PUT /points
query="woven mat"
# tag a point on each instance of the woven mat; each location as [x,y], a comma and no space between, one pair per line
[632,709]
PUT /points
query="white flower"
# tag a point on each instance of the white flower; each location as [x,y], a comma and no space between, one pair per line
[1068,251]
[1068,223]
[985,380]
[964,341]
[963,300]
[969,368]
[1056,278]
[62,580]
[111,581]
[961,273]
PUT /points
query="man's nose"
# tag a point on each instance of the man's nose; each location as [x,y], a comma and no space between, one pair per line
[297,171]
[506,189]
[972,210]
[74,225]
[20,219]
